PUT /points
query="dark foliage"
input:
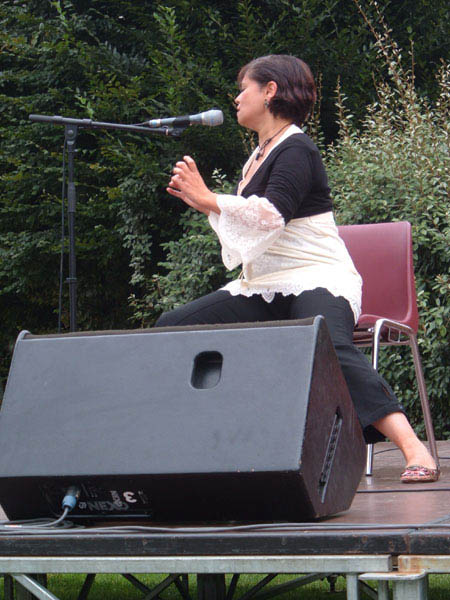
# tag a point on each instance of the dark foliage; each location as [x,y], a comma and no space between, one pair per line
[127,61]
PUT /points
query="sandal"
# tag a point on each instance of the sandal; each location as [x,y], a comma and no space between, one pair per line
[419,474]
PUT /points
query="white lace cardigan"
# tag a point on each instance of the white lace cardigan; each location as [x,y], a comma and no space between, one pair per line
[304,254]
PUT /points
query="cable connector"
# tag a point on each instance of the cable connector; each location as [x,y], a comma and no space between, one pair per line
[71,498]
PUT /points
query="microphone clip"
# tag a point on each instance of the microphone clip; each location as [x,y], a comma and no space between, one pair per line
[173,131]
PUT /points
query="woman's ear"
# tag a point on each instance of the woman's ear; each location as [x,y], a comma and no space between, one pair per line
[271,90]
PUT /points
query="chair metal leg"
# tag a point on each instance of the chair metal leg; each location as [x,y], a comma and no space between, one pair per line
[424,398]
[375,352]
[376,342]
[412,339]
[369,460]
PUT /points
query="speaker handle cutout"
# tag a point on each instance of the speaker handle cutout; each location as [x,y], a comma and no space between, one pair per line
[207,370]
[330,454]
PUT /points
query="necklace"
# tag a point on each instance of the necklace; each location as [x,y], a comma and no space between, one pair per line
[264,144]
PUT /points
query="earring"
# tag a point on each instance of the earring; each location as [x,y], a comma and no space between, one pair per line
[266,103]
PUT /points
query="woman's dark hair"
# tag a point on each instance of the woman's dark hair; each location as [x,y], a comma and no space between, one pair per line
[296,90]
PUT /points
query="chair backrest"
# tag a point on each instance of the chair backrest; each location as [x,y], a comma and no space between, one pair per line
[382,254]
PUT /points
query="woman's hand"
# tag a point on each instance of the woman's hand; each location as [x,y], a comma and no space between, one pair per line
[188,185]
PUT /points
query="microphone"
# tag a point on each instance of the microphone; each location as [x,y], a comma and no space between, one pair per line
[211,118]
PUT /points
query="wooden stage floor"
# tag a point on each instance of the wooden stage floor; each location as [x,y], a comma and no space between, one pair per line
[386,517]
[383,499]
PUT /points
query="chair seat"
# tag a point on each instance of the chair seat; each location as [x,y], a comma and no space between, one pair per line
[362,337]
[388,335]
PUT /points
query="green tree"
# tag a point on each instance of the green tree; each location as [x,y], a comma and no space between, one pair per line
[127,61]
[396,167]
[393,166]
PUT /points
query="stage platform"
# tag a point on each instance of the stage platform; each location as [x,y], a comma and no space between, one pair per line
[392,532]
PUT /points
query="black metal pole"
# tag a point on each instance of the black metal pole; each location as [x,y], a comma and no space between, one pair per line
[90,124]
[71,132]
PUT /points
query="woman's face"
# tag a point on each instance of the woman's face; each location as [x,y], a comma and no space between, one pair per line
[250,103]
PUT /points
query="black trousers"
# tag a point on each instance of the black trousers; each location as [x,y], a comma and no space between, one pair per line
[372,396]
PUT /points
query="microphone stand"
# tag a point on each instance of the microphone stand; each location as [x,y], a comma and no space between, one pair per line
[71,127]
[71,132]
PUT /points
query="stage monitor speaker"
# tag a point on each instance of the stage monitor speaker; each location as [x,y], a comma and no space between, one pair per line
[238,422]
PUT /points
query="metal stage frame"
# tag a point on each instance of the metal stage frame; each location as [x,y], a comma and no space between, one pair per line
[409,579]
[393,536]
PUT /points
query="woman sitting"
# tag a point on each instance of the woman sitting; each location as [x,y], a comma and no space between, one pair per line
[280,227]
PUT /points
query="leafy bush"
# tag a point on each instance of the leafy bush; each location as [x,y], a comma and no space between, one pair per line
[109,62]
[392,167]
[396,167]
[116,60]
[192,268]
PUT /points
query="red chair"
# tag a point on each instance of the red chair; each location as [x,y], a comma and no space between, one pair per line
[382,254]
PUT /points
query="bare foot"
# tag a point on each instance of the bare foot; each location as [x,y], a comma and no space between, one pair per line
[396,427]
[419,455]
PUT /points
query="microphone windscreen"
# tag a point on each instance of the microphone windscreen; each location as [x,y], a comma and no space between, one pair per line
[212,117]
